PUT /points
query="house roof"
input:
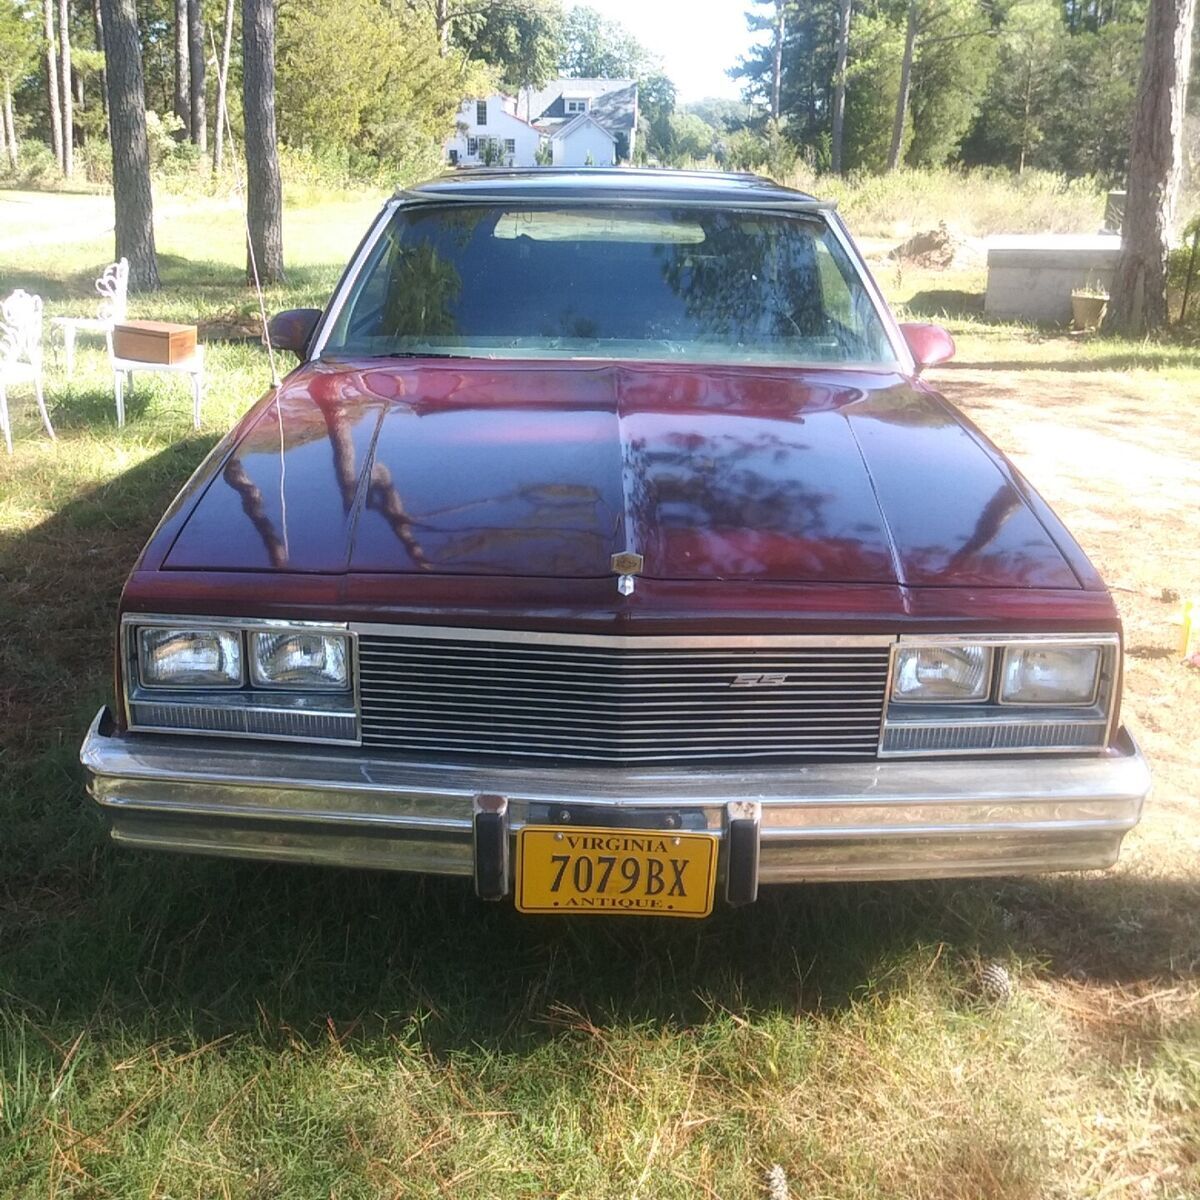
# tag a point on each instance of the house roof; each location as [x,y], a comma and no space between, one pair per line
[613,102]
[569,127]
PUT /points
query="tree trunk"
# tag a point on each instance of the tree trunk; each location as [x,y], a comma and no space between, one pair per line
[264,191]
[68,111]
[839,86]
[183,97]
[132,200]
[222,85]
[52,82]
[4,130]
[1139,290]
[10,126]
[98,19]
[1025,116]
[197,60]
[441,20]
[910,42]
[777,61]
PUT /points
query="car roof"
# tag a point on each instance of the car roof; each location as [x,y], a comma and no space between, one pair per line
[609,183]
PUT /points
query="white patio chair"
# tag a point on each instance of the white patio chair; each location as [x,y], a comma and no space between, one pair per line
[21,355]
[123,369]
[113,286]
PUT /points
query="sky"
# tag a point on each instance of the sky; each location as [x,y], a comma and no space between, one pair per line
[698,40]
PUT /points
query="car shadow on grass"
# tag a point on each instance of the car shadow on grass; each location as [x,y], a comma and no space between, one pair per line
[190,949]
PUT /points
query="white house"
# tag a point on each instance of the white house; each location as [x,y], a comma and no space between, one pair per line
[489,131]
[573,122]
[583,142]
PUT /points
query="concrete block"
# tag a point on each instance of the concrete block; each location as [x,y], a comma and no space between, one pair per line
[1031,278]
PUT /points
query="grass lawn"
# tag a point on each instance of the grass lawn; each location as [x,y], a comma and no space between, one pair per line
[185,1028]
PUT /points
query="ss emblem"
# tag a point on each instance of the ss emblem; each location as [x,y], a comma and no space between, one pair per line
[755,680]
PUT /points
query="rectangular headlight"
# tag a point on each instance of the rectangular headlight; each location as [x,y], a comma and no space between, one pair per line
[190,658]
[942,674]
[300,659]
[1050,674]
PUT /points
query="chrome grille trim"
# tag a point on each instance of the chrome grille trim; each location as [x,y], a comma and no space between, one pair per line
[620,700]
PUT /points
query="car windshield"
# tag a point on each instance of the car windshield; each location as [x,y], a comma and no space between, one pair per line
[693,284]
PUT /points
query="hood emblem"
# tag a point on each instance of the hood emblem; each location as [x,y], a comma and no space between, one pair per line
[626,565]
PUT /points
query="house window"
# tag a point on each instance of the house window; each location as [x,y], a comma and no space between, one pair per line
[510,145]
[480,112]
[472,147]
[577,106]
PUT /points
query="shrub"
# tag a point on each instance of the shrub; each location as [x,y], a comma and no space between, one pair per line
[37,168]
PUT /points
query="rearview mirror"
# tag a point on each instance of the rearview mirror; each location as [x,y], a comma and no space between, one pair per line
[930,344]
[293,329]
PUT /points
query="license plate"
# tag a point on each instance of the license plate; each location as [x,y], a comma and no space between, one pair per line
[640,871]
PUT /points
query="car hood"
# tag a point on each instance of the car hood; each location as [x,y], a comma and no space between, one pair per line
[548,469]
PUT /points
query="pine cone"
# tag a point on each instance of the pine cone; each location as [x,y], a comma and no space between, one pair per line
[995,983]
[777,1184]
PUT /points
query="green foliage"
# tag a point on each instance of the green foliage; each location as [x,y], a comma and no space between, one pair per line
[691,138]
[521,39]
[1021,102]
[872,83]
[597,48]
[19,40]
[725,116]
[372,84]
[956,56]
[1013,82]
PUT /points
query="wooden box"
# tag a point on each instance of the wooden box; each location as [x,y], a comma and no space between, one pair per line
[154,341]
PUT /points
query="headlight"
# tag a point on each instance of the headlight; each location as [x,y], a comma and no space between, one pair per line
[1050,675]
[192,658]
[298,659]
[942,674]
[1051,693]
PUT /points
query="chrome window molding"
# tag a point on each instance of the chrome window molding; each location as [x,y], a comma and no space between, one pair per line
[353,269]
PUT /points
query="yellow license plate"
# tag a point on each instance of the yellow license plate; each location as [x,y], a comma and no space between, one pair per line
[641,871]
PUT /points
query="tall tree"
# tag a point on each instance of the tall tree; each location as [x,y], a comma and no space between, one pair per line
[64,74]
[222,89]
[18,53]
[132,199]
[906,63]
[52,94]
[264,190]
[98,22]
[838,130]
[597,48]
[183,69]
[1139,291]
[522,39]
[197,59]
[777,59]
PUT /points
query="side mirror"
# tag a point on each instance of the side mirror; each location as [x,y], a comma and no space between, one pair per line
[930,344]
[293,329]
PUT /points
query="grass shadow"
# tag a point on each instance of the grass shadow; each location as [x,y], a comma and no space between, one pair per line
[189,949]
[945,304]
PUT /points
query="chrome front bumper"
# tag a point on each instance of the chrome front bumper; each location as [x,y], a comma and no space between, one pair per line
[873,820]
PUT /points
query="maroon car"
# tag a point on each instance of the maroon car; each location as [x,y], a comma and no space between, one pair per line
[606,547]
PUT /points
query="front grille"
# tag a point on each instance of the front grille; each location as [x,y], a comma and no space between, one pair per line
[557,699]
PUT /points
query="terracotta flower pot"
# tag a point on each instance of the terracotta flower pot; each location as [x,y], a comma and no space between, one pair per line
[1088,311]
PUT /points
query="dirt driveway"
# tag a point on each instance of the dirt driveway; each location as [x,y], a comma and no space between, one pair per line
[1117,455]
